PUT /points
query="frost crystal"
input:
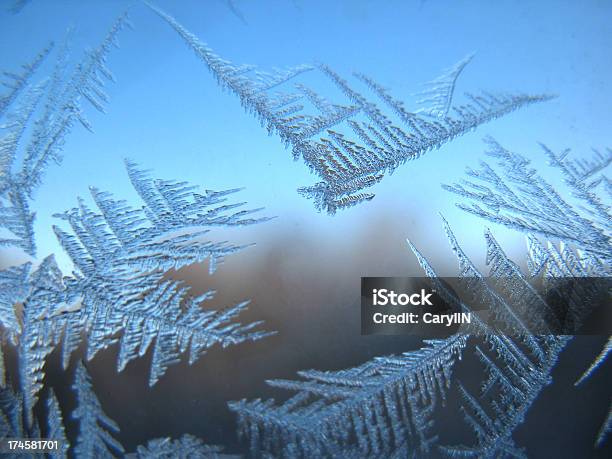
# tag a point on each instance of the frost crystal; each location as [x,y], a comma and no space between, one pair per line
[96,429]
[380,408]
[119,292]
[11,415]
[599,361]
[122,254]
[12,424]
[517,368]
[364,143]
[34,331]
[437,97]
[385,407]
[55,427]
[51,108]
[521,199]
[17,82]
[186,447]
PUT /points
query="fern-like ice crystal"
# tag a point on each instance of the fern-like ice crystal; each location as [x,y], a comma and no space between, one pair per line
[119,291]
[349,147]
[185,447]
[96,429]
[515,195]
[51,108]
[382,408]
[518,197]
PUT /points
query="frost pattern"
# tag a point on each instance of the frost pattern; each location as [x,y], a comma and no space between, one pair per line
[187,447]
[599,361]
[364,143]
[17,82]
[12,423]
[517,368]
[11,420]
[521,199]
[37,118]
[51,108]
[118,292]
[96,429]
[122,254]
[437,97]
[382,408]
[13,290]
[11,416]
[605,429]
[55,427]
[39,335]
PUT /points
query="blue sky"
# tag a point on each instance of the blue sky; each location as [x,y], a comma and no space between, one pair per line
[167,113]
